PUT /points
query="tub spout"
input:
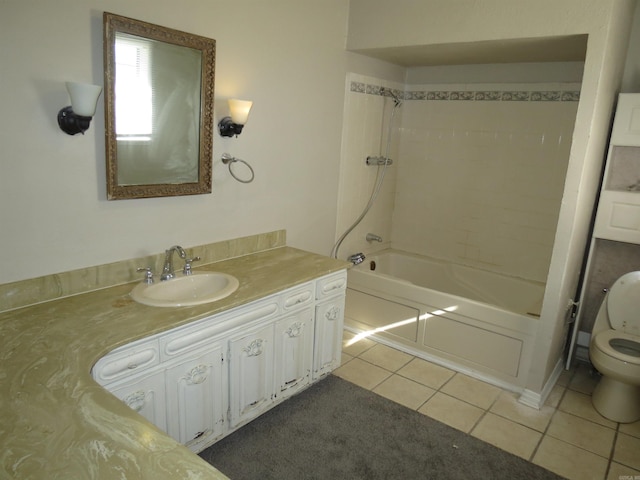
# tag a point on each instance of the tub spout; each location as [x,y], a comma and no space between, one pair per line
[372,237]
[357,258]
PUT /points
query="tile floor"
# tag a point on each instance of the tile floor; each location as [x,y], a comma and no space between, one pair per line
[566,436]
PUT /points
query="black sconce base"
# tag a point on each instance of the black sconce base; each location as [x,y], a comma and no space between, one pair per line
[72,124]
[228,129]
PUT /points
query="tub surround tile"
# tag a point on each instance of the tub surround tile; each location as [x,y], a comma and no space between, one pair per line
[50,287]
[494,93]
[54,414]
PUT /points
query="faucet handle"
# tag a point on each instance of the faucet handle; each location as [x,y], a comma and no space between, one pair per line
[148,276]
[187,265]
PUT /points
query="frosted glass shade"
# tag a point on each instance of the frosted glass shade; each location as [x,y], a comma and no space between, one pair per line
[239,110]
[84,98]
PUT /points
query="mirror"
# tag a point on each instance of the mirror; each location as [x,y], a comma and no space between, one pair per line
[159,86]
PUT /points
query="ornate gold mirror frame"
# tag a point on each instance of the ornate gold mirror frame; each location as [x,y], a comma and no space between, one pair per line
[164,142]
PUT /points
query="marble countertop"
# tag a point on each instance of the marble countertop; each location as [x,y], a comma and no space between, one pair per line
[57,422]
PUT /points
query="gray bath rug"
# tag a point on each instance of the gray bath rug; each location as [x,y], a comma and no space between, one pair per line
[335,430]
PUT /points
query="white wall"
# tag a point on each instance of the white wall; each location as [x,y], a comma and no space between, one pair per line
[286,55]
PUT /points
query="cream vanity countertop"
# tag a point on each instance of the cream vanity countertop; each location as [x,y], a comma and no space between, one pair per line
[56,422]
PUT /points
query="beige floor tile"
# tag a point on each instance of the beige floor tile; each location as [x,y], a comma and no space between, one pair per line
[584,380]
[362,373]
[580,405]
[426,373]
[632,429]
[358,346]
[507,435]
[619,472]
[386,357]
[451,411]
[344,358]
[555,396]
[404,391]
[569,461]
[627,451]
[471,390]
[582,433]
[507,406]
[565,377]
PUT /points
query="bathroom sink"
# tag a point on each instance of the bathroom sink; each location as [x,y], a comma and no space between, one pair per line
[182,291]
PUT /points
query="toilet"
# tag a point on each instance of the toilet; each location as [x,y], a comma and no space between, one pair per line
[615,351]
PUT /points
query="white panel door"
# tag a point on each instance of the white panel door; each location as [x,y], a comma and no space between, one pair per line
[328,336]
[144,394]
[251,373]
[293,352]
[196,399]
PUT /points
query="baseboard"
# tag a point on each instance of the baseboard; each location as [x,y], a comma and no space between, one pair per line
[536,400]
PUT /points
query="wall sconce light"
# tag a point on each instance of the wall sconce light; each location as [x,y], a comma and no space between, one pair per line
[230,126]
[77,117]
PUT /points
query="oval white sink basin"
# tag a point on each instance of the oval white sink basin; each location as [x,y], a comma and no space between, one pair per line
[194,289]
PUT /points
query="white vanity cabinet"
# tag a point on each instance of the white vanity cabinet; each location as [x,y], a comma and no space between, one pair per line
[329,319]
[203,380]
[195,398]
[251,373]
[132,375]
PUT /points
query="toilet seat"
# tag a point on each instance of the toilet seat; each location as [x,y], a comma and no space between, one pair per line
[623,304]
[602,340]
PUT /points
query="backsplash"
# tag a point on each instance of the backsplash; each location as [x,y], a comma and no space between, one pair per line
[50,287]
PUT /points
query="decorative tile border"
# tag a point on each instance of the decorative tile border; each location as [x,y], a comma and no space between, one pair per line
[471,95]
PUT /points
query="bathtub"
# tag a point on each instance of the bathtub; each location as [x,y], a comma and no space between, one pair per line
[473,321]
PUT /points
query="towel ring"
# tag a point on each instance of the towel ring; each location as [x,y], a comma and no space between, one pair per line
[229,160]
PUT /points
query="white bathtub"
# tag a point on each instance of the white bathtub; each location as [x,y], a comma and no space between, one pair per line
[474,321]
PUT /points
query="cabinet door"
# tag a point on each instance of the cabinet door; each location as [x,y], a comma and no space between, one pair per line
[293,352]
[196,390]
[144,394]
[328,338]
[251,374]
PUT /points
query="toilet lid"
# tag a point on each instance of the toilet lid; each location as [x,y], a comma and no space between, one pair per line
[623,304]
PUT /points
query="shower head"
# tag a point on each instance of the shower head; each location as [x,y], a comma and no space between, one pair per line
[387,92]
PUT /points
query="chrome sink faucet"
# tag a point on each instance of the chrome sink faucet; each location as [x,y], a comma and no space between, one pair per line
[167,269]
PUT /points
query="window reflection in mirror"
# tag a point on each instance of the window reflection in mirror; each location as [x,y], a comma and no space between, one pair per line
[159,85]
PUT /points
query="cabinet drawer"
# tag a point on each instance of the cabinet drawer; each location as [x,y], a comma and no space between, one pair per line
[191,337]
[298,297]
[126,361]
[331,284]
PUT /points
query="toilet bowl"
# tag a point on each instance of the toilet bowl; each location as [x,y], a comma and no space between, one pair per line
[615,351]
